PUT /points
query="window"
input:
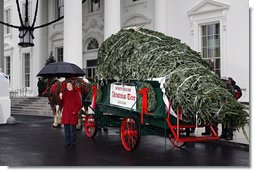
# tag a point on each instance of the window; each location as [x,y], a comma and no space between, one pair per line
[27,70]
[210,45]
[93,44]
[90,70]
[8,66]
[94,6]
[59,54]
[59,8]
[7,19]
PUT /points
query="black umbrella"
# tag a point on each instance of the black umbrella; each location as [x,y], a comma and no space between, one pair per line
[61,69]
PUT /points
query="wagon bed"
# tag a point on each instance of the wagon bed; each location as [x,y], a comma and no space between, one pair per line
[135,121]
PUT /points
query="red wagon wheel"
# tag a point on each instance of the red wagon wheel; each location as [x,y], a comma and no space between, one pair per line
[130,133]
[90,126]
[174,142]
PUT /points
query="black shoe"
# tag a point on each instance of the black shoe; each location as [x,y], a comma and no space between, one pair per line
[205,133]
[73,145]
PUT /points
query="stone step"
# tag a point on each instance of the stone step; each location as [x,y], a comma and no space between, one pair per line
[37,113]
[38,106]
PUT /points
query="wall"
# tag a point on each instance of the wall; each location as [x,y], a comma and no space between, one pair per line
[5,103]
[234,32]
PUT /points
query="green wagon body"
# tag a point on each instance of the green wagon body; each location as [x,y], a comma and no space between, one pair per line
[156,122]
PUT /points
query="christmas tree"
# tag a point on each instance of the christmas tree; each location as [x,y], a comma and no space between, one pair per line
[141,54]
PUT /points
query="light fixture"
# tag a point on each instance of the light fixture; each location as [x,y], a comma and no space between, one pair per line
[26,31]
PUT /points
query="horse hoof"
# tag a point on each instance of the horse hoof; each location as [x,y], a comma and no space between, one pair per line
[55,126]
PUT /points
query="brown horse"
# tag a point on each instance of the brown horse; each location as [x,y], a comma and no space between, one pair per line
[53,91]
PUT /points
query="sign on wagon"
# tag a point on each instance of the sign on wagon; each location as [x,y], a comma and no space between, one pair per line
[123,95]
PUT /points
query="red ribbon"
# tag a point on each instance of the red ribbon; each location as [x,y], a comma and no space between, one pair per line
[143,92]
[180,113]
[63,86]
[78,89]
[94,88]
[53,88]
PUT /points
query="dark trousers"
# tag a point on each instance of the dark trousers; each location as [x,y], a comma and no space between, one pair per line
[226,131]
[70,134]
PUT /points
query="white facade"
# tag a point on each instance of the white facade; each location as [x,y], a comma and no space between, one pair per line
[177,18]
[5,102]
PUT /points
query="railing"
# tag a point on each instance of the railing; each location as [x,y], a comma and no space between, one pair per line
[19,92]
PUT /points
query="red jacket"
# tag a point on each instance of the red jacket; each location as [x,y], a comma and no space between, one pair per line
[71,102]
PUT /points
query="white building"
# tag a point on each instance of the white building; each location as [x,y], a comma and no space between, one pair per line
[219,29]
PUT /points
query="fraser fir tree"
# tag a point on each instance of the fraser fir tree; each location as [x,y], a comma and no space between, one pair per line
[50,59]
[141,54]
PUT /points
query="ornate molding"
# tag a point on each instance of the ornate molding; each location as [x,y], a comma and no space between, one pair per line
[93,24]
[208,6]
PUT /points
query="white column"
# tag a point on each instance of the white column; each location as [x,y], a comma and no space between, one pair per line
[1,35]
[73,31]
[112,17]
[160,16]
[40,50]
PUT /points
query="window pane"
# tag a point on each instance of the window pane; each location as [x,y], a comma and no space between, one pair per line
[93,72]
[217,40]
[210,41]
[204,30]
[204,41]
[8,65]
[95,5]
[210,52]
[217,28]
[93,44]
[59,54]
[217,52]
[89,73]
[91,63]
[211,45]
[210,30]
[27,70]
[217,71]
[204,52]
[217,66]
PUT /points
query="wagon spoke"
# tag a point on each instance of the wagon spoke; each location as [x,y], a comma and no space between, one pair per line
[130,133]
[133,140]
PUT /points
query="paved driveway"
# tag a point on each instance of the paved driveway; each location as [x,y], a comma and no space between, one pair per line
[32,142]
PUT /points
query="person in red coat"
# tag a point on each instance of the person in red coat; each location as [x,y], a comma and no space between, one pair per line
[71,102]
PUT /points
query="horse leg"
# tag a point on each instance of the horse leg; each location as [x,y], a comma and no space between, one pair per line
[79,125]
[57,118]
[55,124]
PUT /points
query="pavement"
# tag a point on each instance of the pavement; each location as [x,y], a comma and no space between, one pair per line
[33,142]
[238,136]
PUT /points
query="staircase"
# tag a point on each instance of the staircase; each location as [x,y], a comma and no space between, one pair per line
[37,106]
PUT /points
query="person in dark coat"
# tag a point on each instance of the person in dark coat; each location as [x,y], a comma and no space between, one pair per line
[237,89]
[40,85]
[227,131]
[71,102]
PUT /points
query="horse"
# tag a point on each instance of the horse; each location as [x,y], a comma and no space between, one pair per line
[53,89]
[83,86]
